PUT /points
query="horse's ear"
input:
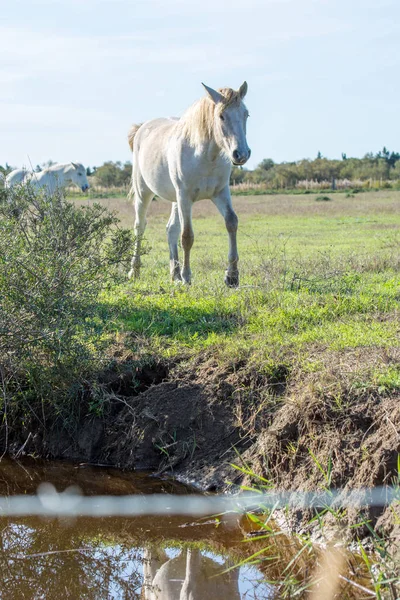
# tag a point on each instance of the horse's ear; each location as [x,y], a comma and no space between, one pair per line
[74,165]
[243,90]
[213,94]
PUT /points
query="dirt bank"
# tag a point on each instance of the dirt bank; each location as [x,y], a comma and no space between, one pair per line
[194,419]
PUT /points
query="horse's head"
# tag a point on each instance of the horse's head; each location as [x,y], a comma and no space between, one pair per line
[78,176]
[230,117]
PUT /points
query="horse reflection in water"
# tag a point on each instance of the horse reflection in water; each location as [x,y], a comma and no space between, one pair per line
[188,576]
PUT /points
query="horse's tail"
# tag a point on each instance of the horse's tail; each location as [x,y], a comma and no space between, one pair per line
[131,134]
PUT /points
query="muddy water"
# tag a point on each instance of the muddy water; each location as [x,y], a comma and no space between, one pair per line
[151,558]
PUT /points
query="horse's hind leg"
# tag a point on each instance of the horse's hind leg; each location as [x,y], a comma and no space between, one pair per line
[143,197]
[173,231]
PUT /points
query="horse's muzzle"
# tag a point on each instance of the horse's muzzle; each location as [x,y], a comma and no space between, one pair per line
[85,187]
[240,158]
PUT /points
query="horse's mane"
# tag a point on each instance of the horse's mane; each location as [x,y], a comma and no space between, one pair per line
[198,121]
[60,167]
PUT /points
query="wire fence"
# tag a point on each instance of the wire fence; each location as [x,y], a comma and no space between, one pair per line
[49,502]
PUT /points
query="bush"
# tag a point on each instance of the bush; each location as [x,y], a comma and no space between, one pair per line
[55,259]
[112,174]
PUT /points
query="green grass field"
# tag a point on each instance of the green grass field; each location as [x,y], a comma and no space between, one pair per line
[316,277]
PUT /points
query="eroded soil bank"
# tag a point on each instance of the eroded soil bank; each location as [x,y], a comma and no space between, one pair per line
[194,419]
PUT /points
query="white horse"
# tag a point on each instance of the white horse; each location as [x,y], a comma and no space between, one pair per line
[56,176]
[189,159]
[15,177]
[188,576]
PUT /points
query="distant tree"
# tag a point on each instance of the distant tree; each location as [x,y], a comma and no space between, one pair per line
[107,174]
[393,158]
[114,174]
[384,154]
[390,157]
[126,173]
[344,156]
[266,164]
[4,171]
[395,171]
[319,155]
[237,175]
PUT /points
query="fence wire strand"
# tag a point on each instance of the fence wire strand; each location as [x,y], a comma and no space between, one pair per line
[49,502]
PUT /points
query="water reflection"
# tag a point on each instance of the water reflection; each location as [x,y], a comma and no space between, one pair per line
[37,562]
[188,576]
[47,559]
[144,558]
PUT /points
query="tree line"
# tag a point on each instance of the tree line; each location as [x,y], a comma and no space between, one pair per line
[383,165]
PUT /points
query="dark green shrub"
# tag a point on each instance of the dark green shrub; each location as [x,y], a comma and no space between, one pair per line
[55,259]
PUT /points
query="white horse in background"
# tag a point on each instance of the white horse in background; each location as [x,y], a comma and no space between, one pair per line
[189,159]
[54,177]
[15,177]
[188,576]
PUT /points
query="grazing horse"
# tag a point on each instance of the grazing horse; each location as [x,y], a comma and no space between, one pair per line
[56,176]
[15,177]
[188,576]
[189,159]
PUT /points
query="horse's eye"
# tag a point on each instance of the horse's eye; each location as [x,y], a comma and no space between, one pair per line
[80,174]
[222,117]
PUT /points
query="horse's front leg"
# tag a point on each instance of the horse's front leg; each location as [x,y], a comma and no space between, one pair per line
[173,231]
[185,204]
[224,204]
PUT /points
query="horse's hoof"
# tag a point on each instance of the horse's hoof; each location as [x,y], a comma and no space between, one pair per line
[186,276]
[176,276]
[232,280]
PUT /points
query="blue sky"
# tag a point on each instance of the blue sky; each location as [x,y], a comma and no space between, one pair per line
[323,75]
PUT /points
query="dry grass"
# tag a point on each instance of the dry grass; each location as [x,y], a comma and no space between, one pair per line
[362,204]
